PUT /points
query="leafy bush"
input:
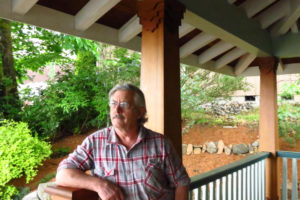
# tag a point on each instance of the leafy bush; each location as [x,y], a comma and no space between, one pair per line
[60,152]
[289,122]
[20,154]
[77,99]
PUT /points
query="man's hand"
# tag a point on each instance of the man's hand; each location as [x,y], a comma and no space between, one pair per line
[109,191]
[78,179]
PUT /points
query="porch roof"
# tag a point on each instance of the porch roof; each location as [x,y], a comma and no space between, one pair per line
[228,37]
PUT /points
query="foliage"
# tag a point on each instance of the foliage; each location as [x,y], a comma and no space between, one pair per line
[60,152]
[77,99]
[290,89]
[200,86]
[289,122]
[20,154]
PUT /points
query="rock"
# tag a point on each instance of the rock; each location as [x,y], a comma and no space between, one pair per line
[255,149]
[255,144]
[220,147]
[197,150]
[251,149]
[189,149]
[240,149]
[229,126]
[31,196]
[211,148]
[227,150]
[184,149]
[204,148]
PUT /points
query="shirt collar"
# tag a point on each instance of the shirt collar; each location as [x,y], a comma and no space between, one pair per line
[113,139]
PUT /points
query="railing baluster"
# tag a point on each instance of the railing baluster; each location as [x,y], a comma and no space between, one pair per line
[244,187]
[211,191]
[294,180]
[260,181]
[252,181]
[284,179]
[218,190]
[264,179]
[234,183]
[256,181]
[248,183]
[239,184]
[224,191]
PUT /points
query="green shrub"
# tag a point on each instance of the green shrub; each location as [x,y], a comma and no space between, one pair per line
[60,152]
[20,154]
[77,100]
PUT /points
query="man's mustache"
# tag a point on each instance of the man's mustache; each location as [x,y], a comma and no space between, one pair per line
[118,116]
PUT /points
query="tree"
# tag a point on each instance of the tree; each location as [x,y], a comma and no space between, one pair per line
[199,86]
[8,81]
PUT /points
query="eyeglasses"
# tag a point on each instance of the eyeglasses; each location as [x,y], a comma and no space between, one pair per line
[123,104]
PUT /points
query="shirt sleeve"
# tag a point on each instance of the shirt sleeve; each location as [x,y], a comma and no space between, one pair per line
[174,168]
[81,158]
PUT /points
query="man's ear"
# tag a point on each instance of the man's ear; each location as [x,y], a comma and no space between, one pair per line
[141,111]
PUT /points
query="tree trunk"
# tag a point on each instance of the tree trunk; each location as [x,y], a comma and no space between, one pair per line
[8,71]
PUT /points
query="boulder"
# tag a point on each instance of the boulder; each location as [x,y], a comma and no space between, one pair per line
[184,149]
[220,146]
[240,149]
[197,150]
[189,149]
[227,150]
[211,147]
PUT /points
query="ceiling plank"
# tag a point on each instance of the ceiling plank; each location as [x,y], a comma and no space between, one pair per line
[287,46]
[273,14]
[192,60]
[229,57]
[243,63]
[280,67]
[217,49]
[252,7]
[230,24]
[185,29]
[131,29]
[288,21]
[91,12]
[21,7]
[41,16]
[196,43]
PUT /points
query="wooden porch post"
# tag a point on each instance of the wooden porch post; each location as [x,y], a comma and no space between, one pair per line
[268,124]
[160,72]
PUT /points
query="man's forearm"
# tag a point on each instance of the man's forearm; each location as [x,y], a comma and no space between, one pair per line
[77,179]
[182,193]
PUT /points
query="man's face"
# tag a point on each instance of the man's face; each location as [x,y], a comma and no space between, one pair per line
[123,113]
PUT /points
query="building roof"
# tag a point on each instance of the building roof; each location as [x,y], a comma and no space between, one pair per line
[228,37]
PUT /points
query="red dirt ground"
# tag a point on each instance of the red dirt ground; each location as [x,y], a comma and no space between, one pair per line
[195,164]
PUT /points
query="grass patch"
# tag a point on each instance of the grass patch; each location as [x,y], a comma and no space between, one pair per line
[60,152]
[47,178]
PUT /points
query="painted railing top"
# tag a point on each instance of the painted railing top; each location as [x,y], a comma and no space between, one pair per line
[288,154]
[205,178]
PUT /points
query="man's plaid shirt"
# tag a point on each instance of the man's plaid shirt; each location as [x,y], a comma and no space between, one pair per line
[149,170]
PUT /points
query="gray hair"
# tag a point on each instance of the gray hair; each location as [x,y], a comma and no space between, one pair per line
[139,98]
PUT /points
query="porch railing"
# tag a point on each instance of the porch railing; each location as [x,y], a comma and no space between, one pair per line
[294,156]
[243,179]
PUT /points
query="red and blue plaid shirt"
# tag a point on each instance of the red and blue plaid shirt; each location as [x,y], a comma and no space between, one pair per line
[151,169]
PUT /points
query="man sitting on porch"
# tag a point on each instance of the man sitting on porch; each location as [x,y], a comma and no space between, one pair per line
[127,160]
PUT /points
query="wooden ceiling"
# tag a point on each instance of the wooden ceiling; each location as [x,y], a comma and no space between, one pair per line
[223,36]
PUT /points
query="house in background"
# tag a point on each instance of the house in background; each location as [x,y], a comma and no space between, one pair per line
[253,94]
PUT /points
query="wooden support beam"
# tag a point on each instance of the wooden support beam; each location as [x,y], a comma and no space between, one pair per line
[243,63]
[273,14]
[160,71]
[21,7]
[219,48]
[185,29]
[289,20]
[131,29]
[252,7]
[91,12]
[268,125]
[228,57]
[196,43]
